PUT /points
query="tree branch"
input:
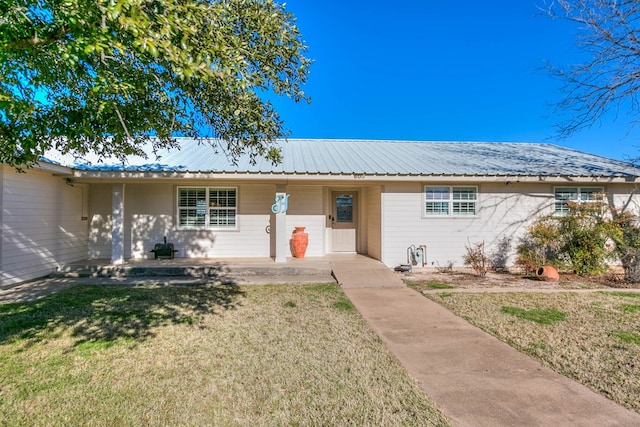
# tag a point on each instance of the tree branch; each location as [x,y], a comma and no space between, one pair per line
[58,34]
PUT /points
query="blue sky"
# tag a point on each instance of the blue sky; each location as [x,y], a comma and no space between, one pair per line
[438,70]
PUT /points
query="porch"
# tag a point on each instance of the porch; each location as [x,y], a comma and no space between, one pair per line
[225,270]
[349,270]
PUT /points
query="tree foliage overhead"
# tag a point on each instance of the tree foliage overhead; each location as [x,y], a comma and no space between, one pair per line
[609,81]
[106,76]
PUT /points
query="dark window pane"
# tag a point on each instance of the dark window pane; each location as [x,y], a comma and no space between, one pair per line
[344,208]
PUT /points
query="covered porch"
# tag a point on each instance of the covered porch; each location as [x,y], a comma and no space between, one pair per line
[226,270]
[249,220]
[348,270]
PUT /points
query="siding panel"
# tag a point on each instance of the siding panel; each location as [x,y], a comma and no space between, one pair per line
[504,211]
[100,221]
[150,211]
[306,210]
[374,222]
[42,225]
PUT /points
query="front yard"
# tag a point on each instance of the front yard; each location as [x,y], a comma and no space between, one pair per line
[276,355]
[217,355]
[591,337]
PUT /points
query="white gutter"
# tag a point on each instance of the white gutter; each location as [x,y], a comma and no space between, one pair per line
[54,169]
[122,176]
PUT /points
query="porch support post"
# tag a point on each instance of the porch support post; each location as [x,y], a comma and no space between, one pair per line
[117,224]
[280,210]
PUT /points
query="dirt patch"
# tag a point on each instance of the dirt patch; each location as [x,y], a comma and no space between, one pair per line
[429,278]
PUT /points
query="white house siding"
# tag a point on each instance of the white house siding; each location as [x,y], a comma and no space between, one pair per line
[306,210]
[626,196]
[250,239]
[100,221]
[148,218]
[253,238]
[393,212]
[150,211]
[503,212]
[374,221]
[42,224]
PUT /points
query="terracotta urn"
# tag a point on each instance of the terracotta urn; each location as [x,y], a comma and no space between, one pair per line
[548,273]
[299,242]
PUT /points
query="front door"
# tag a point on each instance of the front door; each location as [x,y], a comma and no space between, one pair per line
[343,221]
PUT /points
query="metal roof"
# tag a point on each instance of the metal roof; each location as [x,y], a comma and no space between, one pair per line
[379,158]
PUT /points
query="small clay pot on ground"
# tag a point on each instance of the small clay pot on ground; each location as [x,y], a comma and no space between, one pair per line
[548,273]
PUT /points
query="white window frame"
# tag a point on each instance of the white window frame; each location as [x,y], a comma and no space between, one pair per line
[441,201]
[209,205]
[583,194]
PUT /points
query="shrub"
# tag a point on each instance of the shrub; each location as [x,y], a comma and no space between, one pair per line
[584,235]
[447,268]
[540,245]
[624,232]
[577,240]
[476,258]
[584,240]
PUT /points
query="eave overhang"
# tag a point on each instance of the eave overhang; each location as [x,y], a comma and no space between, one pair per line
[55,169]
[123,176]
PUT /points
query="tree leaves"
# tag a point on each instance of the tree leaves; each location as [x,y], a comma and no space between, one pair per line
[105,76]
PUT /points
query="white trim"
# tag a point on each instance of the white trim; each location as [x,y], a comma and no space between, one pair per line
[578,193]
[356,179]
[54,169]
[450,201]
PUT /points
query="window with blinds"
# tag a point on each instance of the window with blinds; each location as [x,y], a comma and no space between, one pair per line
[207,207]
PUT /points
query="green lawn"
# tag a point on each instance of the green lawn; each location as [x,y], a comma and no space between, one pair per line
[593,338]
[207,355]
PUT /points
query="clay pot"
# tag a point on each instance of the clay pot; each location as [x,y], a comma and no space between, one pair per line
[548,273]
[299,242]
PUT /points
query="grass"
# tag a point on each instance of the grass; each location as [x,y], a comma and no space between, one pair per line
[593,338]
[210,355]
[546,316]
[628,337]
[424,285]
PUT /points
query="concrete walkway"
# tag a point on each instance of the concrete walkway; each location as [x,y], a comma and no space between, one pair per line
[473,377]
[364,273]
